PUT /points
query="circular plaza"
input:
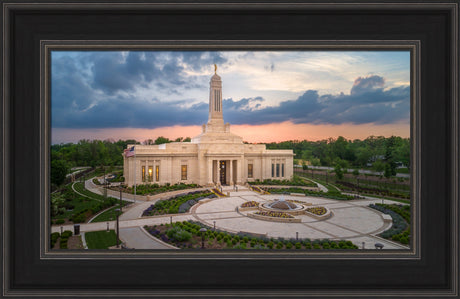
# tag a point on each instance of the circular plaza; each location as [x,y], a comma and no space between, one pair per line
[350,220]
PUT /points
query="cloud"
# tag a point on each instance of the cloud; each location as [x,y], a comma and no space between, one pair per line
[367,84]
[153,89]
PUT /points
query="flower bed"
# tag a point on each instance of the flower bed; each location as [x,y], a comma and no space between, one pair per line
[320,213]
[177,204]
[317,210]
[218,193]
[274,214]
[250,204]
[258,190]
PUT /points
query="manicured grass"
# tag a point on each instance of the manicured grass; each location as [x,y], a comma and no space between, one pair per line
[101,239]
[80,187]
[109,214]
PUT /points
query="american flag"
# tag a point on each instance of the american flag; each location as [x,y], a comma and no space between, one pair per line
[130,152]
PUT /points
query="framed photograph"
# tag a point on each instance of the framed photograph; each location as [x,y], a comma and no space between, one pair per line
[182,149]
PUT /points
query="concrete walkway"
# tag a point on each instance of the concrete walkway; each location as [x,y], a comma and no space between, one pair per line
[137,238]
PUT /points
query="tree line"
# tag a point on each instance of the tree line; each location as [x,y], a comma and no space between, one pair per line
[383,153]
[379,152]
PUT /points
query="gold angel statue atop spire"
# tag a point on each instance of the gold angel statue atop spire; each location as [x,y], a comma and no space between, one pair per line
[215,68]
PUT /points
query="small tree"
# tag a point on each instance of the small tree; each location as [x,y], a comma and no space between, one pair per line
[304,165]
[338,171]
[59,170]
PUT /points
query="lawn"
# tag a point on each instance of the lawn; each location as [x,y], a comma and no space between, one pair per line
[109,214]
[100,239]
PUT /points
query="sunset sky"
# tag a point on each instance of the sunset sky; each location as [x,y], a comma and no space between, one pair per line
[267,96]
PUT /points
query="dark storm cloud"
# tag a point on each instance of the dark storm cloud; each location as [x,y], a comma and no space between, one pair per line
[85,88]
[112,73]
[368,102]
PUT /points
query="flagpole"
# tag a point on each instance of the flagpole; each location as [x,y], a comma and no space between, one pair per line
[135,175]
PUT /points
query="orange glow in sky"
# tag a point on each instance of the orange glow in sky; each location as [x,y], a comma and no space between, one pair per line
[275,132]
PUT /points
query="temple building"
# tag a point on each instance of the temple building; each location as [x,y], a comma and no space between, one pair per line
[215,157]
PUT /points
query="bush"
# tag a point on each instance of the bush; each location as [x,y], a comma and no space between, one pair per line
[289,245]
[240,246]
[279,245]
[298,245]
[53,238]
[60,221]
[66,234]
[270,245]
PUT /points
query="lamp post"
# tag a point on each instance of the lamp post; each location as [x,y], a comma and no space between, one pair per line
[202,230]
[117,211]
[214,225]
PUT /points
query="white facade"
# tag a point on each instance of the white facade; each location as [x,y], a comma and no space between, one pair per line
[215,157]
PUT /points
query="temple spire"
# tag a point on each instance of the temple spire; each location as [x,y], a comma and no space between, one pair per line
[215,99]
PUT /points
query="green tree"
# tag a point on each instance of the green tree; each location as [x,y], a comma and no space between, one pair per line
[338,171]
[59,170]
[161,140]
[304,165]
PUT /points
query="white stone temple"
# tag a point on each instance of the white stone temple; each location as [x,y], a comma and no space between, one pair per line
[215,157]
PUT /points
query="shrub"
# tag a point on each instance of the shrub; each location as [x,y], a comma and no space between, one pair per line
[53,238]
[279,245]
[240,246]
[270,245]
[298,245]
[66,234]
[60,221]
[289,245]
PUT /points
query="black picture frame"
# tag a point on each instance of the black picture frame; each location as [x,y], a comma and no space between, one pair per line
[27,271]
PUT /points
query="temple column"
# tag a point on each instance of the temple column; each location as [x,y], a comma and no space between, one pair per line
[210,174]
[231,172]
[239,175]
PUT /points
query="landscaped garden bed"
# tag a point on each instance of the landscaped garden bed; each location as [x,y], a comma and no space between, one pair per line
[187,235]
[374,191]
[317,210]
[178,204]
[152,189]
[69,207]
[250,204]
[295,181]
[274,216]
[400,230]
[217,192]
[331,194]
